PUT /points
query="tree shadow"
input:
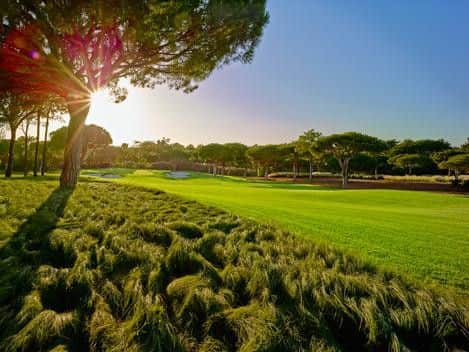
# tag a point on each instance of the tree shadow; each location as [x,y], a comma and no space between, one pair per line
[25,252]
[29,178]
[45,217]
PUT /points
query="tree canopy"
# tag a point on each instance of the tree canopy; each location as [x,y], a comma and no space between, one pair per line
[73,48]
[458,163]
[77,47]
[264,155]
[424,146]
[344,146]
[307,146]
[93,137]
[410,161]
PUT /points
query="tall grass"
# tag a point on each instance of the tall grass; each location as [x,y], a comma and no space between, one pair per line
[124,269]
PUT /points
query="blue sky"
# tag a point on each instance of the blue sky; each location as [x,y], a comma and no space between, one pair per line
[394,69]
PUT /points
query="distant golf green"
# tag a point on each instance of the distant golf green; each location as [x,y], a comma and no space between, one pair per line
[423,234]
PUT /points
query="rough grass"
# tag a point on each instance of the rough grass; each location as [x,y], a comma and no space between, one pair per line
[118,268]
[422,234]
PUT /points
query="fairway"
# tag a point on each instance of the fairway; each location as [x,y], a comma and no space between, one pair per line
[425,235]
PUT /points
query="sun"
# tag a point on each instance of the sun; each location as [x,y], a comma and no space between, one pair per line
[101,105]
[100,98]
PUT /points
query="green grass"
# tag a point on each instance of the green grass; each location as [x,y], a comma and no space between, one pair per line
[111,267]
[423,234]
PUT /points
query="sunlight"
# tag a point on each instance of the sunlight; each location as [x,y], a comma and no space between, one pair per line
[100,99]
[124,119]
[102,106]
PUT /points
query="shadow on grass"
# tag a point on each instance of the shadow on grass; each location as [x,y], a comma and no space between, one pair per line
[45,178]
[17,177]
[33,233]
[24,253]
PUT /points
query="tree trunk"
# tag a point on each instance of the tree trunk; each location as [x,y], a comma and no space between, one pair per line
[345,177]
[11,151]
[344,166]
[36,151]
[26,140]
[376,172]
[44,147]
[296,167]
[78,111]
[245,172]
[266,172]
[310,170]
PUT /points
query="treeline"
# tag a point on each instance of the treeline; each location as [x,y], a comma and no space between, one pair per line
[28,153]
[311,152]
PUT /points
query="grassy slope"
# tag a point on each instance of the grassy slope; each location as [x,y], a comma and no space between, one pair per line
[112,267]
[423,234]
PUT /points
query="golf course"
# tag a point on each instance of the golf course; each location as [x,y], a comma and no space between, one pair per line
[234,176]
[118,264]
[422,234]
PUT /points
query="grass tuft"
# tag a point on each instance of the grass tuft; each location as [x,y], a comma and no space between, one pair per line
[186,229]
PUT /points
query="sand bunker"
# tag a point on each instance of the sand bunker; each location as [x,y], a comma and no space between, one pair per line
[104,175]
[111,176]
[178,174]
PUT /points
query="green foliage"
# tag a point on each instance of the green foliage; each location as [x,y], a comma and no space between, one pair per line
[236,154]
[424,146]
[58,138]
[421,154]
[264,156]
[120,287]
[347,145]
[93,136]
[411,161]
[177,43]
[308,147]
[212,153]
[459,162]
[441,156]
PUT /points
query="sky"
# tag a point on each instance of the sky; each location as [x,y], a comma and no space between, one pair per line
[393,69]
